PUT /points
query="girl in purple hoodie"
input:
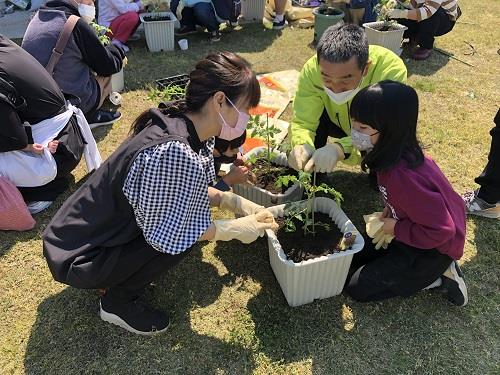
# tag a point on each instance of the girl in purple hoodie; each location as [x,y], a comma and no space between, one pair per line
[422,211]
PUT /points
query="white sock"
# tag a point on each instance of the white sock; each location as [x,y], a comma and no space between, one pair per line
[435,284]
[279,17]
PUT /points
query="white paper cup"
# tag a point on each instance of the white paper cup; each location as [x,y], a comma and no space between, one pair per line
[183,44]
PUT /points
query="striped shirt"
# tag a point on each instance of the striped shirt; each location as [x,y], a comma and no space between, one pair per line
[426,8]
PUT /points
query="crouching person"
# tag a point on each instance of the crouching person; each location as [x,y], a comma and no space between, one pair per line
[42,139]
[84,70]
[143,210]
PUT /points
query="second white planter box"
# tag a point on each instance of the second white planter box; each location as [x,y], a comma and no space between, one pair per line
[264,197]
[390,39]
[159,34]
[317,278]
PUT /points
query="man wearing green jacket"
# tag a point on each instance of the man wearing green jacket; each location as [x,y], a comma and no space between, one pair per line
[343,65]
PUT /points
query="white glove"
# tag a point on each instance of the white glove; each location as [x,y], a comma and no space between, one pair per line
[398,13]
[239,205]
[325,158]
[178,11]
[299,156]
[245,229]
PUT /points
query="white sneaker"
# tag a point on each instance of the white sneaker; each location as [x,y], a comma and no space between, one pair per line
[39,206]
[454,285]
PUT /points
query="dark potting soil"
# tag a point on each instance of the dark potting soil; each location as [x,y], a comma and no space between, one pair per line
[330,11]
[298,247]
[267,180]
[155,18]
[387,28]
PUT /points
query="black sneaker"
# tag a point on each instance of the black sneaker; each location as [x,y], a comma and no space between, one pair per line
[135,317]
[214,36]
[454,285]
[185,30]
[279,25]
[101,118]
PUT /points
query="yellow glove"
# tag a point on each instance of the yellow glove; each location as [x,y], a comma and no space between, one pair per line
[382,239]
[374,230]
[299,156]
[238,205]
[245,229]
[373,223]
[325,158]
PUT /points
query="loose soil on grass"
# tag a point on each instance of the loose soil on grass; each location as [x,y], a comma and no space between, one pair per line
[266,180]
[298,247]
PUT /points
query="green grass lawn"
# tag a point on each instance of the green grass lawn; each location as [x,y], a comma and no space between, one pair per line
[228,313]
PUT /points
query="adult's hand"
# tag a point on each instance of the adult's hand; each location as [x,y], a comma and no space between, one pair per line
[238,205]
[325,159]
[397,13]
[245,229]
[299,156]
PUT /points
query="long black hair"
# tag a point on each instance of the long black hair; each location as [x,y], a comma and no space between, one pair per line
[392,109]
[221,71]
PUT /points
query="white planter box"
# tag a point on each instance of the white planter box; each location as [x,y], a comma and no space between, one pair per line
[118,81]
[264,197]
[159,34]
[389,39]
[252,10]
[316,278]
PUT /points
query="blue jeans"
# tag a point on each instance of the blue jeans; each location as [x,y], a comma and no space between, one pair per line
[202,14]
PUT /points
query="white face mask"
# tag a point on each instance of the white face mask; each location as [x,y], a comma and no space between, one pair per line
[87,12]
[345,96]
[361,141]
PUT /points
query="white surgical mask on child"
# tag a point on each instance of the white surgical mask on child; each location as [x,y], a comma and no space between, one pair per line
[228,132]
[361,141]
[87,12]
[344,96]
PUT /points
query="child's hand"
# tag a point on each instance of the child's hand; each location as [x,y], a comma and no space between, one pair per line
[386,212]
[52,146]
[389,224]
[35,147]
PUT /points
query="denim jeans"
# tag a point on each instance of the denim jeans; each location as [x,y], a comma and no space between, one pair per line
[202,14]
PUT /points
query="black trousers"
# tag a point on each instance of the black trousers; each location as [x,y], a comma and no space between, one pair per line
[68,155]
[425,31]
[401,270]
[490,178]
[123,270]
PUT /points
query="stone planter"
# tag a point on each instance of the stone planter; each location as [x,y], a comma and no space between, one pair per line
[264,197]
[390,39]
[324,21]
[318,278]
[159,34]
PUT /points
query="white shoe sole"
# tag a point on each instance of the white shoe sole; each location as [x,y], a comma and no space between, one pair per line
[492,213]
[116,320]
[99,124]
[461,283]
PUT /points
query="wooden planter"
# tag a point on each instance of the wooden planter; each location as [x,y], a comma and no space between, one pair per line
[318,278]
[390,39]
[264,197]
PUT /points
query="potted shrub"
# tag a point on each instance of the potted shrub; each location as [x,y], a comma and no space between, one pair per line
[267,165]
[385,32]
[324,17]
[159,29]
[312,251]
